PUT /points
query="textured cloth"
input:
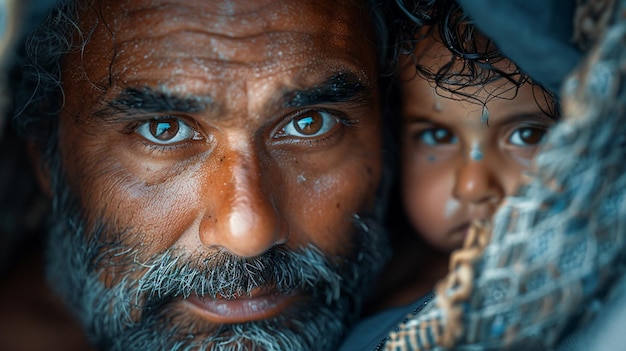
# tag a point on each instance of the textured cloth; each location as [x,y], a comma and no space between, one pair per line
[606,331]
[541,273]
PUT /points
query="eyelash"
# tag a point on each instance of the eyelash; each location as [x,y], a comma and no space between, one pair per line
[342,119]
[156,149]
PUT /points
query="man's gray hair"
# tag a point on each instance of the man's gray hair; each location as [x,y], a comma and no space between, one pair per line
[39,94]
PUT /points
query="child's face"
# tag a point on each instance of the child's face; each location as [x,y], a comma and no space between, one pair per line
[456,165]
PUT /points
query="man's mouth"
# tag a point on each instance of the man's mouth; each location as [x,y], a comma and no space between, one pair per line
[240,309]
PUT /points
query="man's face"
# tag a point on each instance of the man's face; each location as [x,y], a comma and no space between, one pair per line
[219,153]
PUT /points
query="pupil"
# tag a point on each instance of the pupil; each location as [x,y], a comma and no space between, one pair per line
[309,125]
[164,129]
[161,128]
[441,134]
[531,136]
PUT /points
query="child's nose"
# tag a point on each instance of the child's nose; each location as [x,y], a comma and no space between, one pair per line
[477,184]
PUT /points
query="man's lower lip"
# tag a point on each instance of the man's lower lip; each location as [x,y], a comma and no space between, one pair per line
[240,310]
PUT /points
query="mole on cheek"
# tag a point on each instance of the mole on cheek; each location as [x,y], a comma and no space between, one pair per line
[432,158]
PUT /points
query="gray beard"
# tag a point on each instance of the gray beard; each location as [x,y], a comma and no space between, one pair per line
[138,314]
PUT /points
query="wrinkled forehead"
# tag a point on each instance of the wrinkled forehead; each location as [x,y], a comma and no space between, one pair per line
[190,35]
[232,19]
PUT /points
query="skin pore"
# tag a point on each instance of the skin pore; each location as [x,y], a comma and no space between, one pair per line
[462,153]
[215,173]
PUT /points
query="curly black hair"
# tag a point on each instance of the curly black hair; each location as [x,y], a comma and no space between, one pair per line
[475,59]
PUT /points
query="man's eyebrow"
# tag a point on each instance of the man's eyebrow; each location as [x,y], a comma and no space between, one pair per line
[341,87]
[149,100]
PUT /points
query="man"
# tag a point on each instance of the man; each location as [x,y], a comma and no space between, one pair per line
[213,168]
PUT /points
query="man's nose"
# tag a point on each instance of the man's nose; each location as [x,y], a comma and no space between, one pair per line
[244,220]
[479,186]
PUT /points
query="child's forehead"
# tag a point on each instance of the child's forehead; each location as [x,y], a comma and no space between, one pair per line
[435,71]
[473,106]
[480,94]
[464,57]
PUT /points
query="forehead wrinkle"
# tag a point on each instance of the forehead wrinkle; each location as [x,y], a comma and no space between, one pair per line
[267,39]
[165,43]
[200,17]
[208,16]
[272,46]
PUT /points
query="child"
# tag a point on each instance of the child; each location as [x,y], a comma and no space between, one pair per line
[468,126]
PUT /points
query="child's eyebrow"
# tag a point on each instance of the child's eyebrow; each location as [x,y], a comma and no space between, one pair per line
[538,117]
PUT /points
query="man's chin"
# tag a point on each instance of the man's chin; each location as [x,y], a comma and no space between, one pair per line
[129,316]
[178,324]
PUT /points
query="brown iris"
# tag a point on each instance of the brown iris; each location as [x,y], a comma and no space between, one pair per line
[309,124]
[531,136]
[164,129]
[443,136]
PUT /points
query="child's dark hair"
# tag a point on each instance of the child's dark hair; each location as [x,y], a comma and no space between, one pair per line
[475,59]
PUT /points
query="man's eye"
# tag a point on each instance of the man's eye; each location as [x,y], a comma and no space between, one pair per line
[166,131]
[309,125]
[437,136]
[527,136]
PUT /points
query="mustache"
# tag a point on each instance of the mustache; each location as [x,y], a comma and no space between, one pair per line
[219,273]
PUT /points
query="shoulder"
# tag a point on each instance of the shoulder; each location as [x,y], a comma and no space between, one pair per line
[370,332]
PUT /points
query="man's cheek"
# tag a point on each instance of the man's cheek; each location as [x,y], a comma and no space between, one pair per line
[147,215]
[325,204]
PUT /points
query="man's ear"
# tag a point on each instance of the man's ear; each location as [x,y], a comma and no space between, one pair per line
[40,167]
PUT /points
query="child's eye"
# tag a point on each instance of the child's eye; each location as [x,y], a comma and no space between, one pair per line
[527,136]
[437,136]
